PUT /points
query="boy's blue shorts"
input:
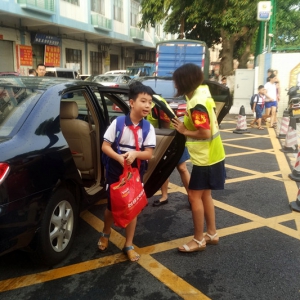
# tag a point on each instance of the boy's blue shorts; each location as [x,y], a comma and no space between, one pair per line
[259,110]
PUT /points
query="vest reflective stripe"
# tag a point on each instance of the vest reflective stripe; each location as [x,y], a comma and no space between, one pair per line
[210,151]
[204,140]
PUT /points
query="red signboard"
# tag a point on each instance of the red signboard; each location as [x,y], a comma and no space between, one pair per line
[52,56]
[25,55]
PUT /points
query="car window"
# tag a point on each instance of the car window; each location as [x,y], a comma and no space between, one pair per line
[79,98]
[15,105]
[165,88]
[109,104]
[65,74]
[50,74]
[108,78]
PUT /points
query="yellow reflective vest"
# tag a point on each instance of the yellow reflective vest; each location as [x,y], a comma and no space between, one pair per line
[208,151]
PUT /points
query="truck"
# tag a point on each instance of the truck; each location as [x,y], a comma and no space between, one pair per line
[172,54]
[140,70]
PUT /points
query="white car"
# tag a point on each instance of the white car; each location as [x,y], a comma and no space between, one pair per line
[116,72]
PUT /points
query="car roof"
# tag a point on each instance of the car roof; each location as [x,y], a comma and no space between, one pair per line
[34,82]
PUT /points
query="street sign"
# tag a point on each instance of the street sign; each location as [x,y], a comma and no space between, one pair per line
[264,10]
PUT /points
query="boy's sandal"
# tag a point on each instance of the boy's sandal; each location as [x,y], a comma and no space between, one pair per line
[132,255]
[211,239]
[260,128]
[201,246]
[103,241]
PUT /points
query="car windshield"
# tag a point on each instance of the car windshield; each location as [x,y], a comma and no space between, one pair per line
[106,78]
[16,102]
[165,88]
[132,71]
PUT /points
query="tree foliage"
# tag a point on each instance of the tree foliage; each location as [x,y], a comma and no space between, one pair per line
[230,22]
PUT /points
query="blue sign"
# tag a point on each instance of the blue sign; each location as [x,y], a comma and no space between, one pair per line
[264,15]
[46,39]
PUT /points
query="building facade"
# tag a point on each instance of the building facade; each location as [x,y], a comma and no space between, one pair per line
[89,36]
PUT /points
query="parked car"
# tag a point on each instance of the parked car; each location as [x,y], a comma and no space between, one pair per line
[118,80]
[114,72]
[9,74]
[83,76]
[51,131]
[61,72]
[164,87]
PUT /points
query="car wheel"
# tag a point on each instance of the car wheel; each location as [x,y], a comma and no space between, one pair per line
[57,228]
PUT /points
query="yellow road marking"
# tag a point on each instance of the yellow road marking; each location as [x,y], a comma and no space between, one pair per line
[170,279]
[23,281]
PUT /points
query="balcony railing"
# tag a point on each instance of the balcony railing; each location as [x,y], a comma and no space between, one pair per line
[100,22]
[136,33]
[42,6]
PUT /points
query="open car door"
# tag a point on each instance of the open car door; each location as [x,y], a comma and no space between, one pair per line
[169,143]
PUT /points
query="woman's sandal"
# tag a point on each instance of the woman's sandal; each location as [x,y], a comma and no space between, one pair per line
[211,239]
[260,128]
[103,241]
[201,246]
[132,255]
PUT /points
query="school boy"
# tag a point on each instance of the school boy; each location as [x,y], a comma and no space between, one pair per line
[140,100]
[258,106]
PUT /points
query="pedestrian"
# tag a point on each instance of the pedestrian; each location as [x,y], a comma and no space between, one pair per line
[207,153]
[271,100]
[184,175]
[258,107]
[31,72]
[224,81]
[41,70]
[140,100]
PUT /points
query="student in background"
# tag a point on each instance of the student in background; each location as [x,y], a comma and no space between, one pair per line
[258,107]
[31,72]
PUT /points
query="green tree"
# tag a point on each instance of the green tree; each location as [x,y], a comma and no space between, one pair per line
[230,22]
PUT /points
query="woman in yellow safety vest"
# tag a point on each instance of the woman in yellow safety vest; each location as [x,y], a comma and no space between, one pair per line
[207,153]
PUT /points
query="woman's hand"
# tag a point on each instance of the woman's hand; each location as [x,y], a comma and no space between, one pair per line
[178,125]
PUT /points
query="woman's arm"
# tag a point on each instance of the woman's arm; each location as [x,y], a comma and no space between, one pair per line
[199,134]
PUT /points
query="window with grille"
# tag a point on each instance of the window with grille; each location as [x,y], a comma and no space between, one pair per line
[75,2]
[73,56]
[134,13]
[98,6]
[95,63]
[118,10]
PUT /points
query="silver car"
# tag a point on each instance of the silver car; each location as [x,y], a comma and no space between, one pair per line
[117,80]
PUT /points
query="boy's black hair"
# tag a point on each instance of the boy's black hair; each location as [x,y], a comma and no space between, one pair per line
[137,88]
[261,87]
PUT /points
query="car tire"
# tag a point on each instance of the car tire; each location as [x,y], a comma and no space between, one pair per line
[58,227]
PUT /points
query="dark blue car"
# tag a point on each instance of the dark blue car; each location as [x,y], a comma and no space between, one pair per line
[51,131]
